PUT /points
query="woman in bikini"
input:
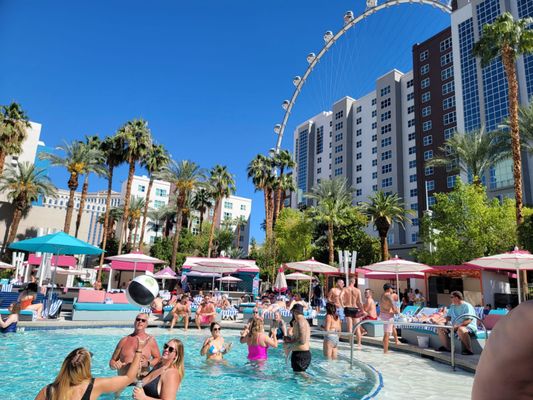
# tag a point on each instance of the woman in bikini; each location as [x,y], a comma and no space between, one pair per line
[333,328]
[257,341]
[213,347]
[75,382]
[164,381]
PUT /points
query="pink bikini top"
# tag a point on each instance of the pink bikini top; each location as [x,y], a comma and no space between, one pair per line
[257,352]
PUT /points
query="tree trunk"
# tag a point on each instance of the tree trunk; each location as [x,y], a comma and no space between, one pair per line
[84,191]
[138,247]
[145,212]
[176,238]
[238,237]
[510,71]
[267,213]
[131,227]
[106,220]
[384,248]
[212,229]
[2,161]
[271,213]
[201,219]
[72,185]
[331,246]
[17,216]
[125,216]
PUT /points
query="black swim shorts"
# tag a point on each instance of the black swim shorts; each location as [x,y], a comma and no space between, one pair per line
[300,360]
[351,312]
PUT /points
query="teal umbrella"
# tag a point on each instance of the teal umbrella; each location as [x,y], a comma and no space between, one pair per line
[58,244]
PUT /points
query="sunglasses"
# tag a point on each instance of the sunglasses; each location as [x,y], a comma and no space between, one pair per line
[169,348]
[256,312]
[140,320]
[216,329]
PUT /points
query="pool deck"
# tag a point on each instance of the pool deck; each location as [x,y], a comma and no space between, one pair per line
[467,363]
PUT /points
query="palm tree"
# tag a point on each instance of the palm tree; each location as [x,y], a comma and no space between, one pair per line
[95,165]
[525,125]
[13,124]
[260,170]
[24,184]
[202,202]
[113,151]
[507,39]
[157,217]
[185,176]
[137,142]
[472,153]
[282,160]
[113,217]
[286,183]
[332,197]
[136,212]
[384,210]
[155,161]
[239,222]
[222,185]
[76,159]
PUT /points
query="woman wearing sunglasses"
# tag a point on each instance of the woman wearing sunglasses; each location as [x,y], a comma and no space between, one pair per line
[165,379]
[75,382]
[213,347]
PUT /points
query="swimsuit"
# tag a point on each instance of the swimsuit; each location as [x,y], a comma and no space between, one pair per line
[150,389]
[351,312]
[300,360]
[205,319]
[389,317]
[86,395]
[26,303]
[333,338]
[257,352]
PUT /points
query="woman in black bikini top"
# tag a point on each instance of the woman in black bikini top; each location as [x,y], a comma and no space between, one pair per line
[164,380]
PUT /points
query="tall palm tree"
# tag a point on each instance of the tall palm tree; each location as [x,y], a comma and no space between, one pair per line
[202,202]
[283,161]
[113,217]
[76,158]
[384,210]
[286,184]
[260,170]
[24,184]
[239,222]
[95,165]
[157,217]
[185,176]
[137,142]
[222,185]
[525,125]
[114,154]
[155,161]
[136,212]
[13,125]
[333,197]
[507,39]
[472,153]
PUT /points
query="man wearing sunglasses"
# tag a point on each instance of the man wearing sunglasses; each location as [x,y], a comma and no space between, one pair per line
[125,350]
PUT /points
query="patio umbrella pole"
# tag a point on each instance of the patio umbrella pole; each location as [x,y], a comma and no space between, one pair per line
[518,284]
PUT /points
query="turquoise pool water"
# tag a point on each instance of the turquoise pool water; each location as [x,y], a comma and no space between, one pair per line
[32,359]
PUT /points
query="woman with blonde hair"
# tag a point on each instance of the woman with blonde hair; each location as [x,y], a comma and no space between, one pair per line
[257,341]
[164,381]
[75,382]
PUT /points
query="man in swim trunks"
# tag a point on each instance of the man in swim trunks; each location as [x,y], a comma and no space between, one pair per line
[334,296]
[126,347]
[387,310]
[299,341]
[370,306]
[205,314]
[181,311]
[353,307]
[504,370]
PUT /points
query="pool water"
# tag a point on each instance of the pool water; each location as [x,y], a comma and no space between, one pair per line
[32,359]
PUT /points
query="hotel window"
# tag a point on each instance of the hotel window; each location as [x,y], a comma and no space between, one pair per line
[411,136]
[426,96]
[159,203]
[374,150]
[374,113]
[339,125]
[374,175]
[386,129]
[358,109]
[447,88]
[358,179]
[358,144]
[446,44]
[387,168]
[446,73]
[227,215]
[161,192]
[450,181]
[414,221]
[387,182]
[338,171]
[318,170]
[448,133]
[385,116]
[428,155]
[374,125]
[430,185]
[384,91]
[320,140]
[427,140]
[359,192]
[338,148]
[141,188]
[448,103]
[338,136]
[424,69]
[410,83]
[426,126]
[386,142]
[339,114]
[386,155]
[431,201]
[374,188]
[374,102]
[412,178]
[385,103]
[413,192]
[414,206]
[425,83]
[358,167]
[338,160]
[358,121]
[446,59]
[374,162]
[374,138]
[449,118]
[410,123]
[319,160]
[410,96]
[358,156]
[228,205]
[426,111]
[412,164]
[410,109]
[412,150]
[428,171]
[414,237]
[358,132]
[424,55]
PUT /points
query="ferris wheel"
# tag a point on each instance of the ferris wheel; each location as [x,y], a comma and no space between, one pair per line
[331,38]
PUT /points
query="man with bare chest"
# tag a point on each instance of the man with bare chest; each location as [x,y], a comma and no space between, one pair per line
[388,308]
[353,307]
[334,296]
[181,311]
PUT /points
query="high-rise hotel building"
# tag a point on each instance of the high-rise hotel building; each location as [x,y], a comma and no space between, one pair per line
[370,142]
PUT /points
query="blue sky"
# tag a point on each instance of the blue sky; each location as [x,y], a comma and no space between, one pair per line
[209,76]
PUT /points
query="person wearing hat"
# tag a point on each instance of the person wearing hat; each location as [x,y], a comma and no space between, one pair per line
[388,308]
[299,341]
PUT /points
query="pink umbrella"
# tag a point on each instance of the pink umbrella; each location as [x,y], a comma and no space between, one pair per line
[512,260]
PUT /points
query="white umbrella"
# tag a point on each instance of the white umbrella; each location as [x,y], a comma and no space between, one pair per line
[513,260]
[280,284]
[312,266]
[397,265]
[220,265]
[136,258]
[229,279]
[4,265]
[298,276]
